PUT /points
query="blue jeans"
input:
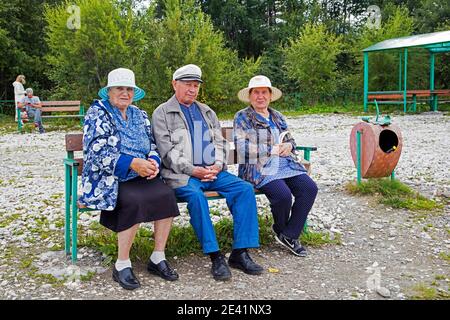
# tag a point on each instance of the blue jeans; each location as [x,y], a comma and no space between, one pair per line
[35,114]
[240,200]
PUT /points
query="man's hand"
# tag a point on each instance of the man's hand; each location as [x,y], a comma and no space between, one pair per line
[145,168]
[206,174]
[213,171]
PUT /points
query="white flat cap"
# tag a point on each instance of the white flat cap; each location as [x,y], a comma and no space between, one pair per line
[189,72]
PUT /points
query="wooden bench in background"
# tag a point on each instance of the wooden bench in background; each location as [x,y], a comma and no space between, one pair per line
[74,166]
[58,109]
[412,96]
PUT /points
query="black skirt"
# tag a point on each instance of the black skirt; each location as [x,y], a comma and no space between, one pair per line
[140,200]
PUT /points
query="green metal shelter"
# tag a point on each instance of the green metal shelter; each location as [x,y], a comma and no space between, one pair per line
[436,42]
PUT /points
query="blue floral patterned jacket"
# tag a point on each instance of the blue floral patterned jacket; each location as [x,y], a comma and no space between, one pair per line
[101,151]
[254,140]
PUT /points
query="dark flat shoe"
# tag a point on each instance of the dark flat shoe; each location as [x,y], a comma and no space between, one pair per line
[162,269]
[220,270]
[244,262]
[126,278]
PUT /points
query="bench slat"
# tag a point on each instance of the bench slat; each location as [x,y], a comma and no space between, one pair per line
[387,96]
[65,116]
[409,94]
[61,103]
[60,109]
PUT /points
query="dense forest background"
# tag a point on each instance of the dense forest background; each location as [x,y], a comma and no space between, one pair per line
[311,49]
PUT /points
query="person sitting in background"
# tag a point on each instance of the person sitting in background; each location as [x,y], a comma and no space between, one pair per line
[270,165]
[32,105]
[120,175]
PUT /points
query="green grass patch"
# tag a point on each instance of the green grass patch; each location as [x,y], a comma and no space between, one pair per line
[88,276]
[318,239]
[183,241]
[26,262]
[445,256]
[5,221]
[7,124]
[393,193]
[423,292]
[47,278]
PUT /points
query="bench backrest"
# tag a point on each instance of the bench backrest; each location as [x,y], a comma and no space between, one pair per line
[51,106]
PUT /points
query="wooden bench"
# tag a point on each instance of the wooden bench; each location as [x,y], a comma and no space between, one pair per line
[74,167]
[397,97]
[52,109]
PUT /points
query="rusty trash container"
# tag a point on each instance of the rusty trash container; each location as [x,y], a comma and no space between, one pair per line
[380,148]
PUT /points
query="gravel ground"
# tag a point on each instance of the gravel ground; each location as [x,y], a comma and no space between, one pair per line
[385,253]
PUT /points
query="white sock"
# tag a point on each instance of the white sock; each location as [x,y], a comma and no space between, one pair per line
[122,264]
[157,256]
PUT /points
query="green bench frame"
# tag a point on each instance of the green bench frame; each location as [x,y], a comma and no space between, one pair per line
[56,107]
[74,166]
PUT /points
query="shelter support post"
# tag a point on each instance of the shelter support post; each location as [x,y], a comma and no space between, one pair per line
[366,79]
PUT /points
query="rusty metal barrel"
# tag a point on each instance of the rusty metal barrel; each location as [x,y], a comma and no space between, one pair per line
[381,147]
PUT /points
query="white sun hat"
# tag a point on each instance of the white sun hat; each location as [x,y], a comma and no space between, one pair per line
[259,82]
[122,77]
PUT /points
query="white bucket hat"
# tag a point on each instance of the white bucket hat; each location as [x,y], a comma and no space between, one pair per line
[122,77]
[259,82]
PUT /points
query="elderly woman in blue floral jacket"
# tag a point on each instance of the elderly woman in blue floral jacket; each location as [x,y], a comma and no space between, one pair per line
[120,175]
[266,159]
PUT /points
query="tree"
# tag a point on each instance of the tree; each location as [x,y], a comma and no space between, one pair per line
[22,45]
[186,35]
[310,60]
[432,15]
[81,59]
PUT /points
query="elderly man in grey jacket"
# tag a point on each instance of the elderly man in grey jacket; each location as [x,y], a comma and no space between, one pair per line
[194,153]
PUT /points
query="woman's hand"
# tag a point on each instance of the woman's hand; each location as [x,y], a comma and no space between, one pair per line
[282,149]
[145,168]
[285,149]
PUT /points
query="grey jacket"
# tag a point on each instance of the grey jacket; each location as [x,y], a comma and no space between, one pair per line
[173,139]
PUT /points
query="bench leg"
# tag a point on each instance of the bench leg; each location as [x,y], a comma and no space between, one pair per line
[392,175]
[305,227]
[307,155]
[435,103]
[68,197]
[82,116]
[19,121]
[74,214]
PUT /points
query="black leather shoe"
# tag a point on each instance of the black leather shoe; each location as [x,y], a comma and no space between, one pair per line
[220,270]
[126,278]
[162,269]
[243,261]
